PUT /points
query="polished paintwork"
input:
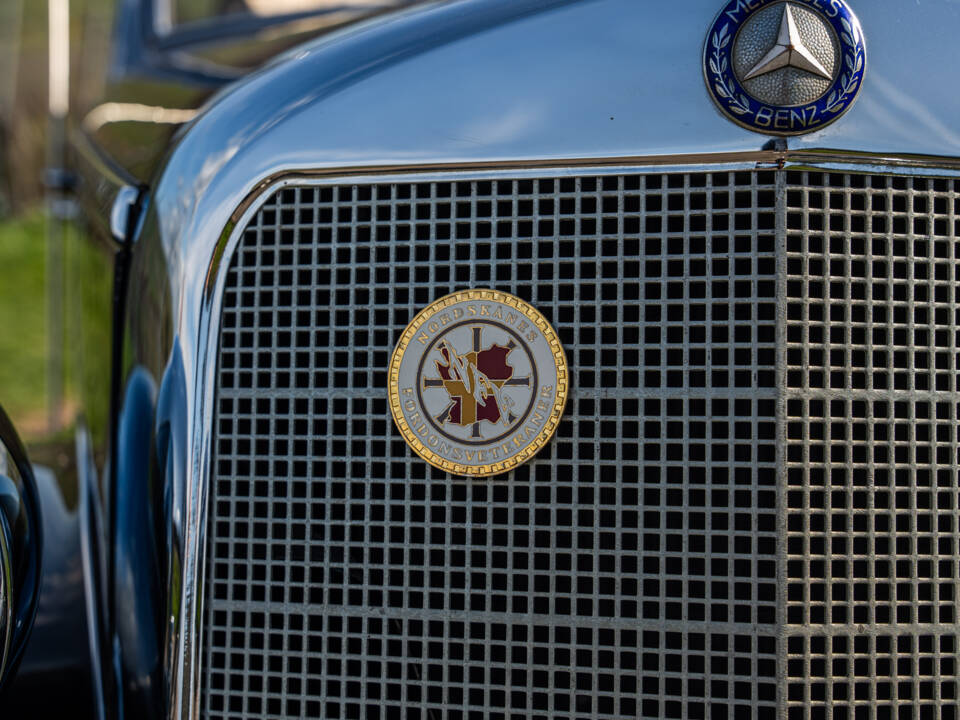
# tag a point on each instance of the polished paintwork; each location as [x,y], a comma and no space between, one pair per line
[54,677]
[171,448]
[24,553]
[99,181]
[92,557]
[9,508]
[471,86]
[136,545]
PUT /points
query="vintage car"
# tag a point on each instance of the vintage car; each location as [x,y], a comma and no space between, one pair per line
[504,359]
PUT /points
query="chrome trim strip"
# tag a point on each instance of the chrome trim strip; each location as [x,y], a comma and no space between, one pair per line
[715,162]
[185,675]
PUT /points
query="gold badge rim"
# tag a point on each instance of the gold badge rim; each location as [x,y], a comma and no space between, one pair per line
[556,412]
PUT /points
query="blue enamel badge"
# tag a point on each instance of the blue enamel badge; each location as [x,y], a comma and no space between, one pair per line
[784,67]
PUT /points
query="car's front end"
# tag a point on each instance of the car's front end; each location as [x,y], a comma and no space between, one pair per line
[748,503]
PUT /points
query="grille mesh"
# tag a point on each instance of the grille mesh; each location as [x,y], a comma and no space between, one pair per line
[873,331]
[725,526]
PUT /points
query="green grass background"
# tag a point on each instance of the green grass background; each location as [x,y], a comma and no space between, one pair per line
[23,340]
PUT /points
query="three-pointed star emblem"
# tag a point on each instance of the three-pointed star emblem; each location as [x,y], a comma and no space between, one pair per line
[789,51]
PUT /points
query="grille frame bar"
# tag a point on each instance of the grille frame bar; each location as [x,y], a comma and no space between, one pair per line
[183,659]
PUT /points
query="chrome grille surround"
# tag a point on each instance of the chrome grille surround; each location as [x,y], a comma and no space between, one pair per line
[690,645]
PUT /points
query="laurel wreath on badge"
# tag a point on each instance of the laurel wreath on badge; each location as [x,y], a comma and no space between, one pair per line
[850,80]
[719,65]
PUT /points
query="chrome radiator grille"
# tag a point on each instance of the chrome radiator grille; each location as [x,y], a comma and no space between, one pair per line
[745,512]
[871,486]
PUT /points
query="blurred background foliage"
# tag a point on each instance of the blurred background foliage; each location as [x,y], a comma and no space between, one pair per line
[23,104]
[24,337]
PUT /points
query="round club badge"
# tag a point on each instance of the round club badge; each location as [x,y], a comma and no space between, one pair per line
[478,383]
[784,67]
